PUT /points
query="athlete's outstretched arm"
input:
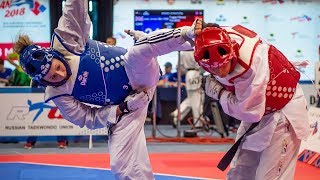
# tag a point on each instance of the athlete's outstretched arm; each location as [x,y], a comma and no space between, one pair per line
[82,115]
[74,25]
[162,41]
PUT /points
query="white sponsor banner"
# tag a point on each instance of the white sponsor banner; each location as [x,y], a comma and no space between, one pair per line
[23,113]
[30,17]
[26,114]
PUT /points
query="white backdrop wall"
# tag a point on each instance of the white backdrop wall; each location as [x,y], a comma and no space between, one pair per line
[292,26]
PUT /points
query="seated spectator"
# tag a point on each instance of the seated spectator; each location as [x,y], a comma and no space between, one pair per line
[4,74]
[164,79]
[17,77]
[173,77]
[163,82]
[111,41]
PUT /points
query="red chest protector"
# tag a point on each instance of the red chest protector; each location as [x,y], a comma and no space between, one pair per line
[283,81]
[283,75]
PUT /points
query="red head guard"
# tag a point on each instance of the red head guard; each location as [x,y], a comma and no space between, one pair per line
[214,48]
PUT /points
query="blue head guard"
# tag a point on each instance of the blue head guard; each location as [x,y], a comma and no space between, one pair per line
[36,62]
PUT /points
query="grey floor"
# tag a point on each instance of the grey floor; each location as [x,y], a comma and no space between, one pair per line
[43,147]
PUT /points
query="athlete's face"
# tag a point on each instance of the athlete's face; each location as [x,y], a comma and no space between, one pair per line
[221,71]
[57,72]
[111,41]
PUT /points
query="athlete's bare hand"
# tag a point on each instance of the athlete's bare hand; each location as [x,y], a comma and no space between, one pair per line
[135,34]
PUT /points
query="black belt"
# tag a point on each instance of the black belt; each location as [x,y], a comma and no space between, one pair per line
[192,69]
[227,158]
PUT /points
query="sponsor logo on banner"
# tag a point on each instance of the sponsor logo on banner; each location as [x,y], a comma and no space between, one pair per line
[310,157]
[245,20]
[247,1]
[315,128]
[303,18]
[299,35]
[299,53]
[196,1]
[19,7]
[83,78]
[220,2]
[305,1]
[306,155]
[294,34]
[317,162]
[271,37]
[272,18]
[221,18]
[38,107]
[273,1]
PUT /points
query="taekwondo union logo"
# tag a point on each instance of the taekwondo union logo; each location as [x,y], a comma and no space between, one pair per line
[20,112]
[38,106]
[18,7]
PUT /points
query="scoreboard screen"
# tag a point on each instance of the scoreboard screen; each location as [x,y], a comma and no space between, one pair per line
[151,20]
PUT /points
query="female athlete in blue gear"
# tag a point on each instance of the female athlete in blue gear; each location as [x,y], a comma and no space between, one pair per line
[78,70]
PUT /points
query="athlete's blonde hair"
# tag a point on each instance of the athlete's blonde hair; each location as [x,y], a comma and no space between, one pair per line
[22,42]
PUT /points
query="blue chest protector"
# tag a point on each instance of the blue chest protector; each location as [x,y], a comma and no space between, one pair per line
[101,78]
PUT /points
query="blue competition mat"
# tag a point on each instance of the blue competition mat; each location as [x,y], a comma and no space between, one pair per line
[25,171]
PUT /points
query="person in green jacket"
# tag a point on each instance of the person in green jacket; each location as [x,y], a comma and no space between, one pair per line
[17,77]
